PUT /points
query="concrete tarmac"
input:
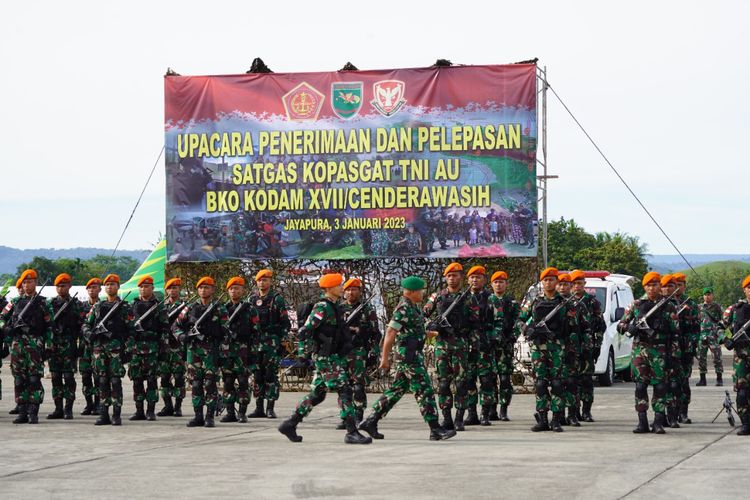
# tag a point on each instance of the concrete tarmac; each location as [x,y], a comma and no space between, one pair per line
[165,459]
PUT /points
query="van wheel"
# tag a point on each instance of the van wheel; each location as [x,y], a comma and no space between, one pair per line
[608,377]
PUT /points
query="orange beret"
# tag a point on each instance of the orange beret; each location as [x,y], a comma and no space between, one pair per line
[330,280]
[237,280]
[18,282]
[111,277]
[173,282]
[352,282]
[649,277]
[680,277]
[577,275]
[62,278]
[477,270]
[564,278]
[452,268]
[145,280]
[550,271]
[499,275]
[263,273]
[666,279]
[27,274]
[746,281]
[206,280]
[93,281]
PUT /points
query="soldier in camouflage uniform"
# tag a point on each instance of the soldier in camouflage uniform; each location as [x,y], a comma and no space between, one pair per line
[673,358]
[325,335]
[273,330]
[30,329]
[571,356]
[406,330]
[737,317]
[688,314]
[151,328]
[172,355]
[68,317]
[548,347]
[4,349]
[238,353]
[410,243]
[203,338]
[504,311]
[651,344]
[441,229]
[363,328]
[427,230]
[108,340]
[8,341]
[711,331]
[591,342]
[85,351]
[451,346]
[480,362]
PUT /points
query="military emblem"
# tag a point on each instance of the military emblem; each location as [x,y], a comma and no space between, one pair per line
[346,99]
[303,103]
[388,96]
[259,302]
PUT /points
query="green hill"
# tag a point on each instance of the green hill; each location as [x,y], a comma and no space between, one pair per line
[723,276]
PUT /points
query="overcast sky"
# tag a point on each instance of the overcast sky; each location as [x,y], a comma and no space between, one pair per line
[660,85]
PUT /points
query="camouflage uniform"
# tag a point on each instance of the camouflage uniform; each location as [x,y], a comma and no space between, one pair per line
[710,316]
[735,316]
[356,361]
[4,349]
[690,329]
[380,242]
[441,230]
[144,348]
[238,357]
[591,342]
[412,243]
[86,365]
[505,312]
[172,365]
[572,353]
[480,362]
[64,351]
[28,338]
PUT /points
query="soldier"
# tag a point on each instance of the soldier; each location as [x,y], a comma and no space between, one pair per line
[571,354]
[673,360]
[591,342]
[202,326]
[441,229]
[325,335]
[651,344]
[548,337]
[172,362]
[451,346]
[68,317]
[737,317]
[151,328]
[688,314]
[480,363]
[109,332]
[427,230]
[28,320]
[85,350]
[273,328]
[238,356]
[8,341]
[504,312]
[711,331]
[407,331]
[363,328]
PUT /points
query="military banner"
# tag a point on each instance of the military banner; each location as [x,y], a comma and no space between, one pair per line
[437,162]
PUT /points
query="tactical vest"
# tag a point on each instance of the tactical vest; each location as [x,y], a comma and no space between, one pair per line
[210,328]
[240,325]
[455,318]
[34,317]
[333,339]
[657,321]
[150,325]
[541,308]
[116,323]
[68,323]
[741,316]
[267,312]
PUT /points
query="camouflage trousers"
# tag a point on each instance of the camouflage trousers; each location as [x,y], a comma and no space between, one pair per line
[585,374]
[86,367]
[172,366]
[648,365]
[356,372]
[451,365]
[143,367]
[109,370]
[409,376]
[27,367]
[330,375]
[472,370]
[62,366]
[709,343]
[487,374]
[741,377]
[235,372]
[201,369]
[547,362]
[675,376]
[504,361]
[266,374]
[570,372]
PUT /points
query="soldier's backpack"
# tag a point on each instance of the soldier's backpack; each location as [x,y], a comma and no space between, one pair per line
[303,311]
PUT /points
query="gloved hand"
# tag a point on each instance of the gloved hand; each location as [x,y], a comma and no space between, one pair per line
[530,333]
[633,329]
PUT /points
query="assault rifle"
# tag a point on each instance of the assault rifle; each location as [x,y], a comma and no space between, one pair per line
[64,306]
[642,323]
[682,306]
[727,407]
[195,330]
[20,324]
[541,326]
[172,315]
[139,322]
[357,310]
[442,320]
[740,334]
[100,329]
[237,311]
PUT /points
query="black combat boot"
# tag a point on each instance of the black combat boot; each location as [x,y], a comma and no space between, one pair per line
[744,429]
[89,409]
[485,420]
[370,426]
[103,416]
[504,413]
[197,420]
[16,410]
[494,417]
[289,428]
[684,414]
[573,416]
[68,410]
[659,420]
[702,381]
[560,415]
[139,414]
[210,412]
[671,420]
[438,433]
[472,417]
[242,414]
[447,420]
[269,409]
[259,412]
[116,415]
[33,413]
[642,427]
[150,409]
[341,425]
[719,381]
[542,424]
[231,415]
[97,404]
[555,424]
[359,414]
[459,421]
[58,413]
[586,413]
[168,409]
[178,407]
[352,434]
[23,417]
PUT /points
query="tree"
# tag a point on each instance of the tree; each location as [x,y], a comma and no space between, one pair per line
[81,270]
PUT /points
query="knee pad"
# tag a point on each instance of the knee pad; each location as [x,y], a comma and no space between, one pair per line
[572,382]
[675,386]
[116,384]
[358,391]
[444,389]
[742,397]
[660,390]
[486,381]
[165,381]
[228,381]
[641,390]
[505,381]
[541,387]
[318,396]
[345,393]
[69,378]
[210,384]
[197,386]
[270,375]
[35,381]
[151,384]
[57,378]
[103,381]
[179,380]
[557,387]
[243,383]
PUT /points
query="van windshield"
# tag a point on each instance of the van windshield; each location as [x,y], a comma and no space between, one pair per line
[600,293]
